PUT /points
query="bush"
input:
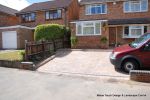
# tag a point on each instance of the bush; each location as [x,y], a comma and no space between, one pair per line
[49,32]
[73,40]
[104,40]
[67,30]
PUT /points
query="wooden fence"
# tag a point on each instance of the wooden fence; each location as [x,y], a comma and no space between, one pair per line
[35,50]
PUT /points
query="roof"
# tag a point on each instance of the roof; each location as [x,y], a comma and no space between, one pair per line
[47,5]
[97,1]
[7,10]
[129,21]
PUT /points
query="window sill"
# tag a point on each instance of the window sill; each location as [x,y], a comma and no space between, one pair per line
[131,37]
[135,11]
[89,35]
[27,21]
[53,19]
[95,14]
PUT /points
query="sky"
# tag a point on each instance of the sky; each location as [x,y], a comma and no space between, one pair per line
[19,4]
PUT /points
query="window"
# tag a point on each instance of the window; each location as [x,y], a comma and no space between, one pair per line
[134,31]
[28,17]
[147,47]
[53,14]
[88,28]
[136,6]
[96,9]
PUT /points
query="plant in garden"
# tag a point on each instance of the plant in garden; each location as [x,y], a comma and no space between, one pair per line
[74,40]
[22,53]
[103,40]
[49,32]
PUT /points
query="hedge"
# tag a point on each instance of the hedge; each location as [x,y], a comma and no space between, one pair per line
[50,32]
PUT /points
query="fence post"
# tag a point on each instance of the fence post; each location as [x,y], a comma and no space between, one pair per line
[54,45]
[26,50]
[63,42]
[43,48]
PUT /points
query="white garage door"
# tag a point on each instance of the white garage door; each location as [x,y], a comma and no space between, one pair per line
[9,40]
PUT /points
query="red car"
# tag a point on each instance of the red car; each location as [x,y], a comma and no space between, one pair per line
[135,55]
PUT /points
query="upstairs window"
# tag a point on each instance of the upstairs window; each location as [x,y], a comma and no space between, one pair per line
[29,17]
[96,9]
[136,6]
[53,14]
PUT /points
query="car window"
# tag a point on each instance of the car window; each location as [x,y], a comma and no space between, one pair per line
[139,41]
[147,48]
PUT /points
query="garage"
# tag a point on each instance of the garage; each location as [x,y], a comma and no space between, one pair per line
[14,37]
[9,40]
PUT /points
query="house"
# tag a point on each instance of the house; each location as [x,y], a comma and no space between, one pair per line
[120,21]
[13,36]
[7,16]
[55,11]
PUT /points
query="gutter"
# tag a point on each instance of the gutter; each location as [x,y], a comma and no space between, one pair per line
[17,26]
[88,21]
[104,1]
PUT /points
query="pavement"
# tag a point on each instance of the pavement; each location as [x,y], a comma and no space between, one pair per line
[27,85]
[94,62]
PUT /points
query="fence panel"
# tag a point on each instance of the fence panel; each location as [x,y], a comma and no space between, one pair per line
[35,50]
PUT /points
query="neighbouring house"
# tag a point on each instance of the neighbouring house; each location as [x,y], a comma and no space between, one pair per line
[13,36]
[7,16]
[55,11]
[120,21]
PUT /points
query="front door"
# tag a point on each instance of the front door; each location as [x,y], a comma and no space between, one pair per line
[112,36]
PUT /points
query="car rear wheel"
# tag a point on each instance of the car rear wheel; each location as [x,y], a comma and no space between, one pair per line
[130,65]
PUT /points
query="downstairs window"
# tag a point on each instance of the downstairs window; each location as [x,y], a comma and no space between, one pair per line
[88,28]
[134,31]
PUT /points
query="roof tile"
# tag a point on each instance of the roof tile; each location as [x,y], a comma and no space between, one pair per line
[7,10]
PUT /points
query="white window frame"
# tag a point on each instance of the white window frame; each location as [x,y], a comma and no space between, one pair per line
[86,7]
[130,11]
[130,28]
[82,27]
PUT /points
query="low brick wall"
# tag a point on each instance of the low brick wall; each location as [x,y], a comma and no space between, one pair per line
[10,64]
[17,64]
[140,76]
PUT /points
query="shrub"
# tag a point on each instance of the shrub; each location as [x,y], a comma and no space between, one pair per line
[68,30]
[104,40]
[49,32]
[73,40]
[22,53]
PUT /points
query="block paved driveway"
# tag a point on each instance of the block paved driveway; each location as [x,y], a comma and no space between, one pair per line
[82,62]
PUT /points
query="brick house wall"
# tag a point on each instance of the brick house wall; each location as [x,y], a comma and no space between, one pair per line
[113,12]
[8,20]
[73,11]
[89,41]
[22,35]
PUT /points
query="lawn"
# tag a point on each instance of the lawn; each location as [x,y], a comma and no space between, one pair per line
[12,55]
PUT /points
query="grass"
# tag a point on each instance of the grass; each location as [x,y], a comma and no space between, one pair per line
[12,55]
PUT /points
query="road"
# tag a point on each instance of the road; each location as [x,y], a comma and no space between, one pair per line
[27,85]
